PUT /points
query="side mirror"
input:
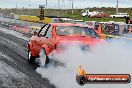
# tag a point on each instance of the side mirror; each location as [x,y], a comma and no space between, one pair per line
[46,37]
[35,33]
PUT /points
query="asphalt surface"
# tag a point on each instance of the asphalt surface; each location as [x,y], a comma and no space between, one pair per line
[18,22]
[15,71]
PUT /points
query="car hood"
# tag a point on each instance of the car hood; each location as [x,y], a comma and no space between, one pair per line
[78,40]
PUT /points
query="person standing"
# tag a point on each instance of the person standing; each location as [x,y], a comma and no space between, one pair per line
[127,20]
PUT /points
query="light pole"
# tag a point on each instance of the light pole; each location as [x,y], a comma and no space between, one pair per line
[117,7]
[46,4]
[16,5]
[29,8]
[29,4]
[72,7]
[58,4]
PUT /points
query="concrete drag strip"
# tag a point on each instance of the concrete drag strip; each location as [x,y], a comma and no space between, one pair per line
[11,77]
[13,46]
[6,57]
[15,71]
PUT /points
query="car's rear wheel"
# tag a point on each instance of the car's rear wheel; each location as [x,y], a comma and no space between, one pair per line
[43,58]
[31,58]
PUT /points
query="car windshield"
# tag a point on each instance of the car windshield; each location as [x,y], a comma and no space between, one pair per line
[76,30]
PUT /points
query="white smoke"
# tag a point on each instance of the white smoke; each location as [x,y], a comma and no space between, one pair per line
[114,57]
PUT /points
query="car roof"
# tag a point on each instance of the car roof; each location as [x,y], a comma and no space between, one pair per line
[68,24]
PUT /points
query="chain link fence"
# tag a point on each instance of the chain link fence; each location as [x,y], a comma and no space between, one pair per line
[34,12]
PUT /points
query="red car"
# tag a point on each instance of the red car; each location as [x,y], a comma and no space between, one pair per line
[101,15]
[57,36]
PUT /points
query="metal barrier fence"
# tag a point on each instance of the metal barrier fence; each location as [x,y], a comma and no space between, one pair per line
[116,29]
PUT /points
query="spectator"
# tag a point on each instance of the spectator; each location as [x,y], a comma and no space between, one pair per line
[127,19]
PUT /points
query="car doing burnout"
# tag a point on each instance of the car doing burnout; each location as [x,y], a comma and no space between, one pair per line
[56,36]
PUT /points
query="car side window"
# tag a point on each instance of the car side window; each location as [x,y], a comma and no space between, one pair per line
[49,32]
[43,31]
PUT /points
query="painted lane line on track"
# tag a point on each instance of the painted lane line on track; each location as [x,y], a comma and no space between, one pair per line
[6,57]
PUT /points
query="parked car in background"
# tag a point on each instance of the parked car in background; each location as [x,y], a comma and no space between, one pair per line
[87,13]
[130,21]
[120,15]
[100,15]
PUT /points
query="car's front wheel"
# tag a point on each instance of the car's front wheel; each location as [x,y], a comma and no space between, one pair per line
[43,58]
[31,58]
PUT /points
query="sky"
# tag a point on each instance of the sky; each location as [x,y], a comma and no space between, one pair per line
[63,3]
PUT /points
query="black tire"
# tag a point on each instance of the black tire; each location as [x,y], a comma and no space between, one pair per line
[31,58]
[43,58]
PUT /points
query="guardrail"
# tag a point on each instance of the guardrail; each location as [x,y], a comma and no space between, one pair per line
[105,36]
[23,29]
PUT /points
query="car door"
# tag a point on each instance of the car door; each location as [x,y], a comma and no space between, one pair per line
[40,39]
[46,38]
[50,40]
